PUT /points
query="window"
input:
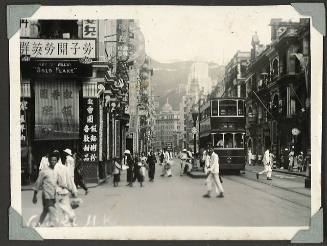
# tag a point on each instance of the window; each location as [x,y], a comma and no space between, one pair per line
[240,107]
[227,107]
[219,141]
[228,143]
[214,108]
[239,141]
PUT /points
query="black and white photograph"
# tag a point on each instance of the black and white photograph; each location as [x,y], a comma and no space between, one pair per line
[166,122]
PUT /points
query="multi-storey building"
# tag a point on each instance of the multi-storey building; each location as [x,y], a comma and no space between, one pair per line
[168,128]
[278,91]
[235,75]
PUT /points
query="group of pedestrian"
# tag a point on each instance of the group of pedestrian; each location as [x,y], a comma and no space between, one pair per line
[136,167]
[56,179]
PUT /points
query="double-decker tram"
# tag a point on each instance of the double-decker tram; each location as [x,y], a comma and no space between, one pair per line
[222,123]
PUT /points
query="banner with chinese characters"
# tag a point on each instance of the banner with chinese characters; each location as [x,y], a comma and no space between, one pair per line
[90,131]
[58,48]
[56,110]
[90,28]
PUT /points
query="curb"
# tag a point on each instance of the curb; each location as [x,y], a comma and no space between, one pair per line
[196,176]
[290,173]
[101,181]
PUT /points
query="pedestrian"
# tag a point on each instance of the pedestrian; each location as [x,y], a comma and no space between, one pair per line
[266,160]
[44,162]
[65,187]
[212,172]
[69,162]
[47,182]
[300,161]
[151,160]
[116,172]
[184,159]
[78,173]
[162,157]
[128,161]
[291,159]
[166,167]
[141,170]
[249,157]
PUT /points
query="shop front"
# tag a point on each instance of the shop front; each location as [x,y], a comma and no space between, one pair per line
[52,100]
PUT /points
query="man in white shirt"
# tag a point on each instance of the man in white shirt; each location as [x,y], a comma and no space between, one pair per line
[212,170]
[267,165]
[65,186]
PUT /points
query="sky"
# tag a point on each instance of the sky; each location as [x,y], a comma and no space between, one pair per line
[204,33]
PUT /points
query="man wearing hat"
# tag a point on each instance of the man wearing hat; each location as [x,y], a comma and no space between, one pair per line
[212,170]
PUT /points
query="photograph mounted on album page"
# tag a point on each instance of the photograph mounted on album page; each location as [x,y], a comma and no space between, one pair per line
[127,123]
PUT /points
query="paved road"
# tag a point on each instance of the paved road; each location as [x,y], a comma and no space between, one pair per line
[178,201]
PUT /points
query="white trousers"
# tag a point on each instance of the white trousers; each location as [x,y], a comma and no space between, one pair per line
[267,170]
[67,214]
[165,170]
[214,178]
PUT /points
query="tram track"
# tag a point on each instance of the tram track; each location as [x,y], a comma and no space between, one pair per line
[301,200]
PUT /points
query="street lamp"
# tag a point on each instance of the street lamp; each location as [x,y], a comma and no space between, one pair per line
[194,116]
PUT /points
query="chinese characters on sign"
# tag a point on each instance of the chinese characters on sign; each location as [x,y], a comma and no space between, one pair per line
[56,110]
[90,129]
[122,40]
[90,28]
[57,48]
[23,122]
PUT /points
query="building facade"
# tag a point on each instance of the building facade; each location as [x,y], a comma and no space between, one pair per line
[278,92]
[75,91]
[168,129]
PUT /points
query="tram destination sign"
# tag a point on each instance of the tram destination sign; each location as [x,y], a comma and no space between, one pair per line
[62,68]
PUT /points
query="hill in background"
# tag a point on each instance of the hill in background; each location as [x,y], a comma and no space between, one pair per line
[170,80]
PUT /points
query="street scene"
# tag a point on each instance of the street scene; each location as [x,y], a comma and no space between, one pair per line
[125,122]
[178,201]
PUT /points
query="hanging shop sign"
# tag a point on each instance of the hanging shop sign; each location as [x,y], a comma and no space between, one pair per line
[90,131]
[90,28]
[62,68]
[58,48]
[56,110]
[122,40]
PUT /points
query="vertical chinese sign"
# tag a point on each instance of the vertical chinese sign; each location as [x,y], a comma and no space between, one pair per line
[24,107]
[122,40]
[90,131]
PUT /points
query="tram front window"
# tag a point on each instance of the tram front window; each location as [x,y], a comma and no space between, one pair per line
[228,140]
[240,108]
[238,140]
[227,108]
[214,108]
[220,141]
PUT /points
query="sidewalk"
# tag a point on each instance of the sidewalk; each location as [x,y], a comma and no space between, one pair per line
[88,185]
[259,168]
